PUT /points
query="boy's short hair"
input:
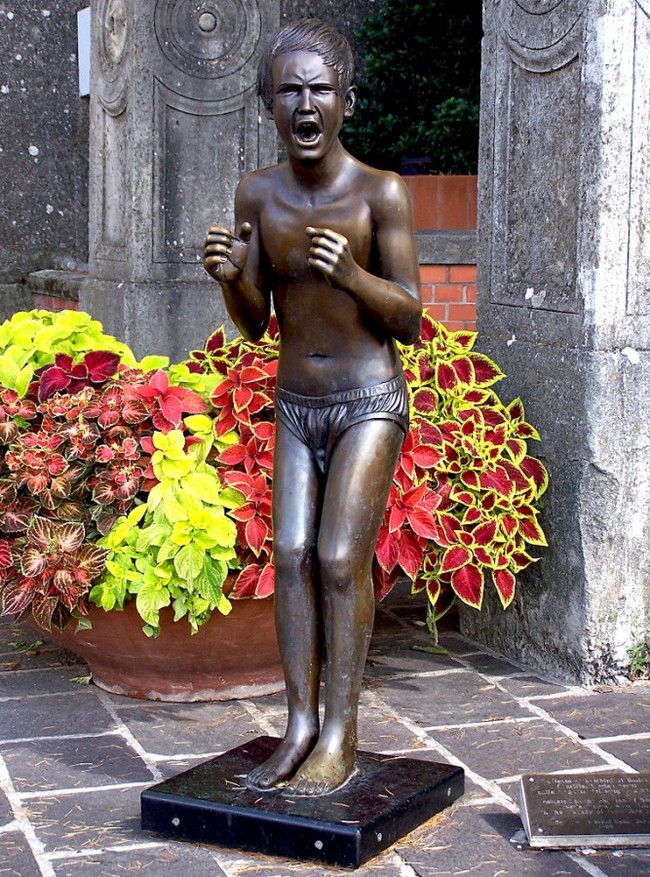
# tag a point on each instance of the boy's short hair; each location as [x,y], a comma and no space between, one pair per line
[307,35]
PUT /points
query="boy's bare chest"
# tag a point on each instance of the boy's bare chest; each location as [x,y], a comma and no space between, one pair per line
[285,240]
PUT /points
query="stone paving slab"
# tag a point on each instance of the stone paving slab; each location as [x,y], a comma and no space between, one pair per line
[16,858]
[449,699]
[475,842]
[605,713]
[87,820]
[504,749]
[55,680]
[81,712]
[170,860]
[193,728]
[530,686]
[76,763]
[6,814]
[74,760]
[636,753]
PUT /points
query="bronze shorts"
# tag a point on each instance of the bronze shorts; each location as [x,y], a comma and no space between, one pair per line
[319,421]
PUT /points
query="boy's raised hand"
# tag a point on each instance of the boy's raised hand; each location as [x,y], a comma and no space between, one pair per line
[330,254]
[225,253]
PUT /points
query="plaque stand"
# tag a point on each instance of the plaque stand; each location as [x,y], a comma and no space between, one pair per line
[386,799]
[586,810]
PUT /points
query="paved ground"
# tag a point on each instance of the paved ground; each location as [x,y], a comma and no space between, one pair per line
[74,759]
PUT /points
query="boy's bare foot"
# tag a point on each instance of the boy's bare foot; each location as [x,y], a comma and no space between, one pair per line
[322,773]
[288,756]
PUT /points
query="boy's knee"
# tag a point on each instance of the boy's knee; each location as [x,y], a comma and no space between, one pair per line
[291,556]
[339,568]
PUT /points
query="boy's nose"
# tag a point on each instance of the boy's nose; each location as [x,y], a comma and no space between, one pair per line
[306,104]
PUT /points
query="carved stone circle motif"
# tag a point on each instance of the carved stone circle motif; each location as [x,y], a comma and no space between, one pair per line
[112,35]
[209,39]
[541,35]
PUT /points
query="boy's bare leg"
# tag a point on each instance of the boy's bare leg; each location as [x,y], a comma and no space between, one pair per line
[297,604]
[359,478]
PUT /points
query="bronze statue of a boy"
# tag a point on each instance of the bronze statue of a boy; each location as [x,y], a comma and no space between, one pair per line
[330,241]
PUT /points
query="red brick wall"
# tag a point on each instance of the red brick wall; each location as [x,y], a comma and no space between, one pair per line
[449,294]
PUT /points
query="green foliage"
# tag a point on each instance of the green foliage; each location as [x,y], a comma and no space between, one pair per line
[640,661]
[419,86]
[177,548]
[31,339]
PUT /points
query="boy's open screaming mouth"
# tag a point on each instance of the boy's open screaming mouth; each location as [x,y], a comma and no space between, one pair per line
[307,132]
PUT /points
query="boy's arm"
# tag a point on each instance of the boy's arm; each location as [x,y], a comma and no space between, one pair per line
[234,261]
[392,298]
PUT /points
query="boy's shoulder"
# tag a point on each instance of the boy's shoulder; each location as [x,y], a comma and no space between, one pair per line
[382,188]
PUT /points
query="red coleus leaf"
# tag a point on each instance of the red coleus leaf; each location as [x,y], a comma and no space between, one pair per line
[449,527]
[410,552]
[464,369]
[497,480]
[264,430]
[482,556]
[255,580]
[446,377]
[33,561]
[17,596]
[532,532]
[266,582]
[434,589]
[233,455]
[51,381]
[43,611]
[425,401]
[101,365]
[216,341]
[468,583]
[504,582]
[257,532]
[171,409]
[454,558]
[423,522]
[382,582]
[484,534]
[387,552]
[520,560]
[17,515]
[535,470]
[486,372]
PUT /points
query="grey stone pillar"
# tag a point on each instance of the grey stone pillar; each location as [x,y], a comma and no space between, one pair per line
[564,308]
[174,125]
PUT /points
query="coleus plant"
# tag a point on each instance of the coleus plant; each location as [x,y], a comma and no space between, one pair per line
[77,454]
[177,548]
[463,507]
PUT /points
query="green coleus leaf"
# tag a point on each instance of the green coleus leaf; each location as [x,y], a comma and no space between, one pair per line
[189,561]
[167,551]
[153,363]
[151,598]
[231,498]
[204,486]
[150,536]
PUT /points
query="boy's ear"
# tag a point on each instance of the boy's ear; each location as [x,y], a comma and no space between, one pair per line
[350,101]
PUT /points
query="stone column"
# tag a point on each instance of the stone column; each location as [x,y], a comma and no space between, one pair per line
[564,308]
[174,125]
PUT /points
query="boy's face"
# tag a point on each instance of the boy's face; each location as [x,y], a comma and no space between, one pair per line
[308,107]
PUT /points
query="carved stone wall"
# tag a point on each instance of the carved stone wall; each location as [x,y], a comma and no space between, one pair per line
[563,286]
[174,125]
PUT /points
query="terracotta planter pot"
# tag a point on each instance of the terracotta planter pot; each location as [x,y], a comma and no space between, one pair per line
[232,656]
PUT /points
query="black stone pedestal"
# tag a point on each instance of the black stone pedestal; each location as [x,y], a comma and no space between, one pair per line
[386,799]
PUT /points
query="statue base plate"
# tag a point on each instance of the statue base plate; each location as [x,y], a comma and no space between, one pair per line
[387,798]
